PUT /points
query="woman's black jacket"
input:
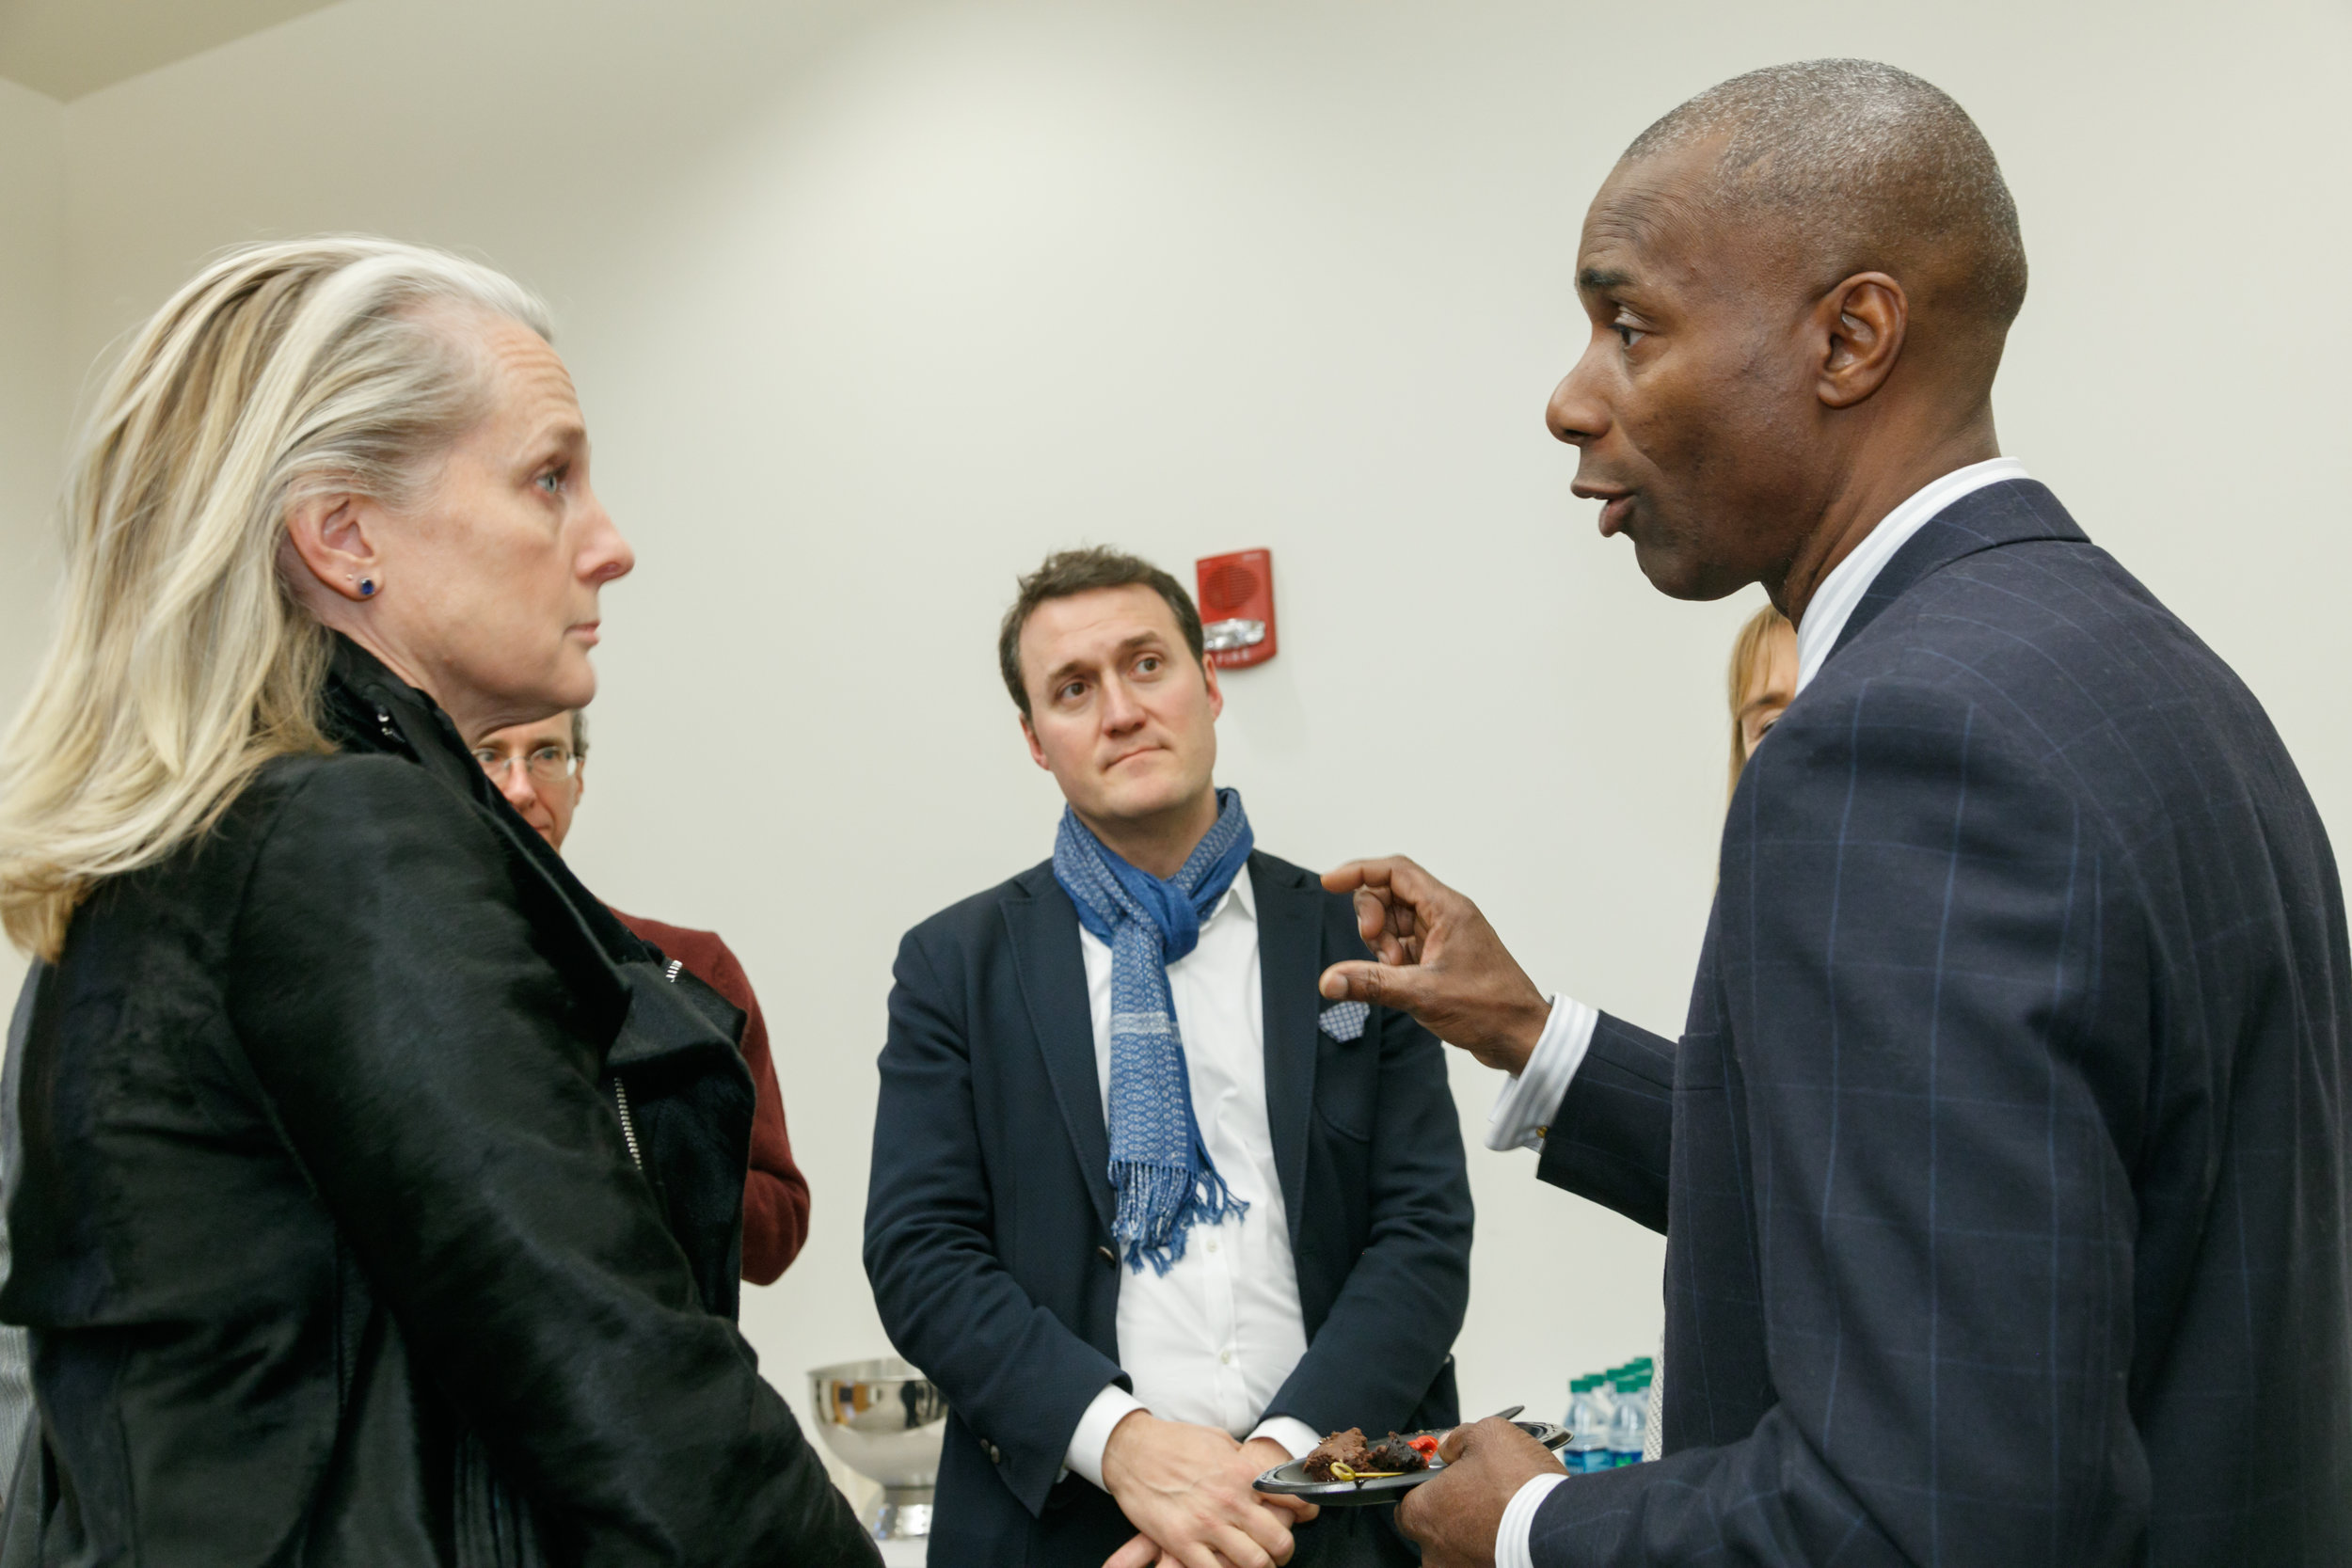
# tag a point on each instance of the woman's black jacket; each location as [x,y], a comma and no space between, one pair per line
[327,1218]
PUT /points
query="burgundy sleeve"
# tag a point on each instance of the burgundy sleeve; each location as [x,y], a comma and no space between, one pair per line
[775,1193]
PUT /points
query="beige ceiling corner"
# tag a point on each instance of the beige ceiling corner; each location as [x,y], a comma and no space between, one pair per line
[65,48]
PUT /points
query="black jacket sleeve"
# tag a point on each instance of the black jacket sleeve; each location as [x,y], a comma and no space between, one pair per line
[1388,1332]
[431,1071]
[1015,1374]
[1933,995]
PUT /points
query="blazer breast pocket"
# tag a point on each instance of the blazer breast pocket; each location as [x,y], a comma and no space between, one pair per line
[1348,1071]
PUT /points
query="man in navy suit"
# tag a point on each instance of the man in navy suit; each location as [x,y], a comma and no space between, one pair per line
[2003,1158]
[1152,1214]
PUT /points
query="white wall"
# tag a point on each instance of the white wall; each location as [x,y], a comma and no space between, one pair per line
[870,305]
[32,422]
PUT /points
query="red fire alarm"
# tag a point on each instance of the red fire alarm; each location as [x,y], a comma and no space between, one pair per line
[1237,607]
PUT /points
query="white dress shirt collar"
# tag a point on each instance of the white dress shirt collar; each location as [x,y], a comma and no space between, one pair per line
[1241,896]
[1833,602]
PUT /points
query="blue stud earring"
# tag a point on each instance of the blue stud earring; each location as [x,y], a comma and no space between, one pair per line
[367,588]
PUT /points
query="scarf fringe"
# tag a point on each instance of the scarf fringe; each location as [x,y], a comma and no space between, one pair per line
[1159,1204]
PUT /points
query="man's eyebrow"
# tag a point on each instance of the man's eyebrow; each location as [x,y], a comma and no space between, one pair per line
[1602,281]
[1069,666]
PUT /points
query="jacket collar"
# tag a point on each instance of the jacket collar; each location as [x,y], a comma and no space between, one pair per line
[367,708]
[2010,512]
[1043,925]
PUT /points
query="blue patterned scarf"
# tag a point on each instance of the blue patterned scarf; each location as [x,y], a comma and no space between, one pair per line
[1159,1166]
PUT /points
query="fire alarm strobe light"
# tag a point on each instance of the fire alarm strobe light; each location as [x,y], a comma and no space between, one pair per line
[1237,607]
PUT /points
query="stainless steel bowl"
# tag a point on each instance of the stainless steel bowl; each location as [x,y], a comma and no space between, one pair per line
[886,1420]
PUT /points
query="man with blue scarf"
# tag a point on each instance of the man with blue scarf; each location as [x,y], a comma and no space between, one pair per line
[1154,1215]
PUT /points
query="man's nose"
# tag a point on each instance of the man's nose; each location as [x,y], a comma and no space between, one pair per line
[1576,413]
[1121,711]
[515,783]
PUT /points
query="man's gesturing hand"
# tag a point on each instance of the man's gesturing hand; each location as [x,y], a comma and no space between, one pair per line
[1187,1488]
[1455,1513]
[1436,959]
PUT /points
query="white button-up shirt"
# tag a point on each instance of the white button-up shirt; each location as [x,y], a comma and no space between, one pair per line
[1212,1340]
[1529,1098]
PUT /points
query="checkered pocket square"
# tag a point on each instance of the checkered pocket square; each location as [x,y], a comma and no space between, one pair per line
[1345,1020]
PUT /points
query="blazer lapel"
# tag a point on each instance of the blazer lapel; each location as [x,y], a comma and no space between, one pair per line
[1290,958]
[2009,513]
[1043,925]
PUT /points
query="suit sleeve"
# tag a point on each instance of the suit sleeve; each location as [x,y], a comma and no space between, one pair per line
[1013,1370]
[1932,994]
[1612,1139]
[412,1041]
[1393,1322]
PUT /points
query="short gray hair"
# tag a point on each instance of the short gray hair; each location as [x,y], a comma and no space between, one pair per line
[1871,166]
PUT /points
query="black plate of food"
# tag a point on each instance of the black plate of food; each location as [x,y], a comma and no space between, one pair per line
[1349,1470]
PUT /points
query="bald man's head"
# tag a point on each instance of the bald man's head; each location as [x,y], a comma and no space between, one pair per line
[1861,167]
[1798,285]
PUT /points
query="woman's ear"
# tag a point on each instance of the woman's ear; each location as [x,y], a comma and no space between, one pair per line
[333,535]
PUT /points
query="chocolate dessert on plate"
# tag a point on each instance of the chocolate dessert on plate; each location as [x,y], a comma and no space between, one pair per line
[1346,1455]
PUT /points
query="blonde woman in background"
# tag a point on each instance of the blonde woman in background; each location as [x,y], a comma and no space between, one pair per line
[375,1193]
[1762,681]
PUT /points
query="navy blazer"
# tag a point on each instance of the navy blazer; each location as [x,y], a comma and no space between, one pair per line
[2002,1161]
[988,1222]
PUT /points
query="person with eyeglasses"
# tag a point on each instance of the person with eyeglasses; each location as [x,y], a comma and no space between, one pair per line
[540,769]
[372,1192]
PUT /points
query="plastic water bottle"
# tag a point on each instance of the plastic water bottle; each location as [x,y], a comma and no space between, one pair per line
[1629,1425]
[1588,1428]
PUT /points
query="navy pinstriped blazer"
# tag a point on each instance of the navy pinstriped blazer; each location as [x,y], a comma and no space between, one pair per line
[2003,1160]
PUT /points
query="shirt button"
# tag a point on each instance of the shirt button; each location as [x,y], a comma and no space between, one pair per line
[1213,1243]
[1226,1356]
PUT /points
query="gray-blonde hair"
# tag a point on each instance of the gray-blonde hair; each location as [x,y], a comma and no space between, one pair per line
[181,661]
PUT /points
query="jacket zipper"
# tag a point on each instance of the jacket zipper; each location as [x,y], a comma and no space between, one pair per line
[620,1091]
[629,1127]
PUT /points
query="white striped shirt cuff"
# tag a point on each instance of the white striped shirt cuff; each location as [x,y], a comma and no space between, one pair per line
[1523,1111]
[1512,1549]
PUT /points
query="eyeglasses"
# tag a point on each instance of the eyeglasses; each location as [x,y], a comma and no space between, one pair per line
[549,764]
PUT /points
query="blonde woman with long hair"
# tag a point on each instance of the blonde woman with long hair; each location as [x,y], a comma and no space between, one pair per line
[376,1191]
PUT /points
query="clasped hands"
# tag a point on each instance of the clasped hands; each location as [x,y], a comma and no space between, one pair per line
[1186,1490]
